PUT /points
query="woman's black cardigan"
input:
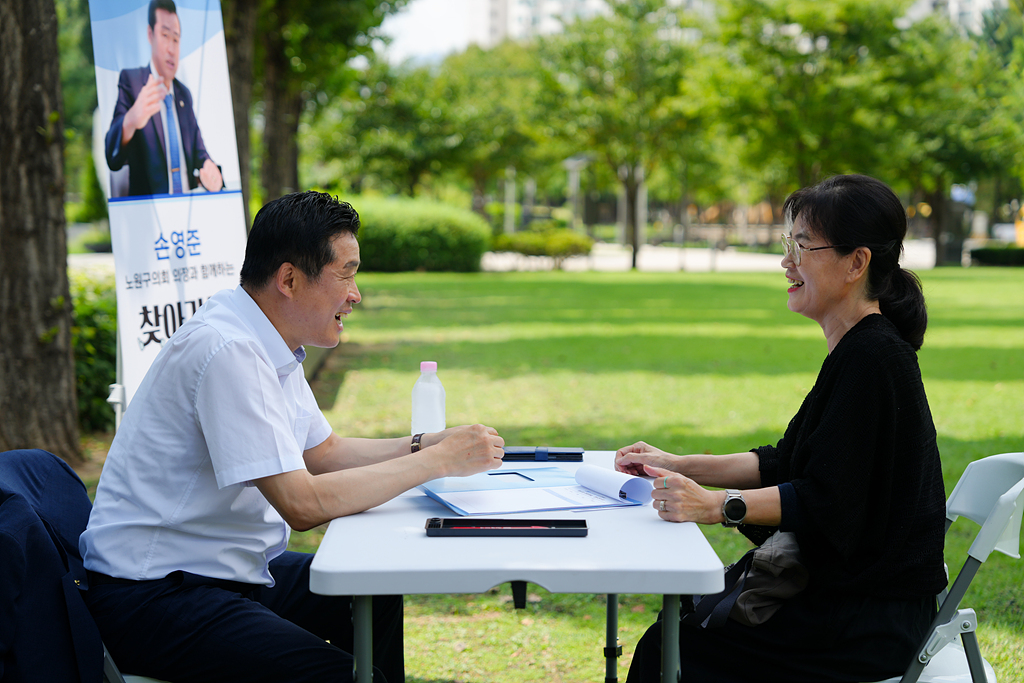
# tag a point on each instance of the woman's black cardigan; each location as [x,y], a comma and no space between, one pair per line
[859,470]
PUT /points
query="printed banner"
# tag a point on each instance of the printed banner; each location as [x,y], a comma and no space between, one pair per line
[165,130]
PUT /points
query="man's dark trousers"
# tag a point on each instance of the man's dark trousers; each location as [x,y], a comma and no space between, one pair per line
[191,628]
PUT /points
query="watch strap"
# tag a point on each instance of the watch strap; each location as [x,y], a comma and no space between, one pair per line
[731,495]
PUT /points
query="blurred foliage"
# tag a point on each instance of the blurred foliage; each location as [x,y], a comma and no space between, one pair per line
[725,102]
[407,234]
[94,240]
[1010,255]
[558,243]
[93,206]
[94,339]
[78,89]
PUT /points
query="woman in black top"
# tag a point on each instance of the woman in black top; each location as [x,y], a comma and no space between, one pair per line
[856,476]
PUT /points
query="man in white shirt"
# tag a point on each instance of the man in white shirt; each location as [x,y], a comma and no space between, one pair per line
[223,450]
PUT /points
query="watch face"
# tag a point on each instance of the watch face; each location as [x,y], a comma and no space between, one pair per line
[735,509]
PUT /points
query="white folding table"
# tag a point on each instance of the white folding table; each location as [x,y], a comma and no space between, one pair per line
[385,551]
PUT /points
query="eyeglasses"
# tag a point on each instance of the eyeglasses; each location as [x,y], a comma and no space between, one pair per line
[794,249]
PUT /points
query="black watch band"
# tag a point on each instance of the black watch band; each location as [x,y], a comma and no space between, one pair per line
[416,442]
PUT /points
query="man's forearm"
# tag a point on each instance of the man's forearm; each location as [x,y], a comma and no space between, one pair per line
[305,500]
[342,453]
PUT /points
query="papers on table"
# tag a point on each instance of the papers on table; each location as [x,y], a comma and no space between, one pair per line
[512,490]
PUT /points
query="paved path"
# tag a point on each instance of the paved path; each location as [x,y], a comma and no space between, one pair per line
[918,255]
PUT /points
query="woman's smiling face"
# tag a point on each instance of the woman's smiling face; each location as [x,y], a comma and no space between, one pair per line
[818,283]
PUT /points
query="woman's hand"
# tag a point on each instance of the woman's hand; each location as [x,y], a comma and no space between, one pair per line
[631,459]
[680,499]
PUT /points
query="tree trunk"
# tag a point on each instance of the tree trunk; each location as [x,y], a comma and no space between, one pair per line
[939,220]
[282,109]
[37,370]
[239,30]
[479,201]
[632,232]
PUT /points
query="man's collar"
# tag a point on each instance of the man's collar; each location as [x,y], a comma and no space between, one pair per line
[283,358]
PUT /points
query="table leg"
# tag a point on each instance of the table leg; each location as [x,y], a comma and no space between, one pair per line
[670,639]
[362,646]
[611,648]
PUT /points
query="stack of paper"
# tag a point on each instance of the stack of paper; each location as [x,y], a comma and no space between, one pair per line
[512,490]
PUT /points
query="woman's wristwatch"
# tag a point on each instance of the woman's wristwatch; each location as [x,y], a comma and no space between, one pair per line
[734,508]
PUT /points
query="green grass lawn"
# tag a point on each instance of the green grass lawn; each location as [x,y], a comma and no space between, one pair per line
[689,362]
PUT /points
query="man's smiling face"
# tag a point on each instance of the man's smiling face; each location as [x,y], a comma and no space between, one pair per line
[323,303]
[165,39]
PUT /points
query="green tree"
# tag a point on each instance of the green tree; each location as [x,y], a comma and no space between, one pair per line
[78,87]
[1003,34]
[612,87]
[804,89]
[493,95]
[396,124]
[952,117]
[300,63]
[239,31]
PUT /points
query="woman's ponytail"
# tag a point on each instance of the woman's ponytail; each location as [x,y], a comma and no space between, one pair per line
[901,300]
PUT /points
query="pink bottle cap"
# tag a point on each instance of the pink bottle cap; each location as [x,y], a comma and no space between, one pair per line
[428,366]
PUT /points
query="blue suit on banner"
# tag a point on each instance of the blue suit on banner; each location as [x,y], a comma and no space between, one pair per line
[146,152]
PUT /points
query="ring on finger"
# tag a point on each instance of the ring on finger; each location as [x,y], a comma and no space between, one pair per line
[662,505]
[666,482]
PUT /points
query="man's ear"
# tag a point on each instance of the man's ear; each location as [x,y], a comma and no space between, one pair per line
[285,279]
[858,264]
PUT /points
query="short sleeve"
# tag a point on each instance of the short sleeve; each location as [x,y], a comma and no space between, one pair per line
[244,414]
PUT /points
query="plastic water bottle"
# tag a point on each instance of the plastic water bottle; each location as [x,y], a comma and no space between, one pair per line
[427,400]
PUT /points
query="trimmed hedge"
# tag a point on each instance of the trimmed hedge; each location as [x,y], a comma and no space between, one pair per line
[999,256]
[558,243]
[407,234]
[94,339]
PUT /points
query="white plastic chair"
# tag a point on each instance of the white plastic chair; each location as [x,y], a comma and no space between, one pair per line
[991,493]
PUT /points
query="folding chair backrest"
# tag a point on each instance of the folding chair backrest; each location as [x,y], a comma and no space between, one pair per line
[991,493]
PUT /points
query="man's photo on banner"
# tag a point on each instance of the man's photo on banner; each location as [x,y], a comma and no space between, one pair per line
[154,143]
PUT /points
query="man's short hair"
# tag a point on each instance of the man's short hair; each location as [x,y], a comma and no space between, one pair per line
[298,228]
[154,5]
